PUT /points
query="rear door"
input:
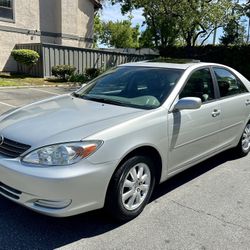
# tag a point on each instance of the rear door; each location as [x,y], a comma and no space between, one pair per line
[235,105]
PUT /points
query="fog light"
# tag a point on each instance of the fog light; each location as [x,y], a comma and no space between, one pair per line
[52,204]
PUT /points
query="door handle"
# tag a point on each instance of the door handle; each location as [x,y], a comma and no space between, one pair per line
[247,102]
[215,113]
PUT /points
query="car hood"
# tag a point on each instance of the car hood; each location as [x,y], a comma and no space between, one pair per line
[61,119]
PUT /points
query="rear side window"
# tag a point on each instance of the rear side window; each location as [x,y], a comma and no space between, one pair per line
[228,83]
[200,84]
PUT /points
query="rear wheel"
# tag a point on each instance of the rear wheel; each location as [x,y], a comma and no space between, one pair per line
[243,147]
[130,188]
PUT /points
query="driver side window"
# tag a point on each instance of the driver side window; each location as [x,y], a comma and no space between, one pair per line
[200,84]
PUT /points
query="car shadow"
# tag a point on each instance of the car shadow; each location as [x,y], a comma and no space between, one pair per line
[193,172]
[24,229]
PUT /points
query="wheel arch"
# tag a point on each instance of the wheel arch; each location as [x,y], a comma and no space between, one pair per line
[246,122]
[148,151]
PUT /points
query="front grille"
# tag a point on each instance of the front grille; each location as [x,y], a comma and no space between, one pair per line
[9,191]
[12,149]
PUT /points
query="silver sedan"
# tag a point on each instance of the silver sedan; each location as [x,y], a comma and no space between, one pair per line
[109,143]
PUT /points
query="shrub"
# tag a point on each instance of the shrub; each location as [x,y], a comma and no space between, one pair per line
[92,73]
[63,71]
[25,56]
[82,78]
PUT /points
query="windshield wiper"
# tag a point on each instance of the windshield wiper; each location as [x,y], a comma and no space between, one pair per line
[76,95]
[105,100]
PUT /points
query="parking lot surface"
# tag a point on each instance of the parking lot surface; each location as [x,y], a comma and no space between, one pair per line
[205,207]
[16,97]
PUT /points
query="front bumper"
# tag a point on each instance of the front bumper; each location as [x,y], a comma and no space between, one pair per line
[56,191]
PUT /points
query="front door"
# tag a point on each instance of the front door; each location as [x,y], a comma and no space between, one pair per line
[193,134]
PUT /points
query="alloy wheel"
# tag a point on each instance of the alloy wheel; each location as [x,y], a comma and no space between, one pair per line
[245,141]
[136,186]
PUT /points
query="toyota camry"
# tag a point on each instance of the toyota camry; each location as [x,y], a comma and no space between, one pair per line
[112,141]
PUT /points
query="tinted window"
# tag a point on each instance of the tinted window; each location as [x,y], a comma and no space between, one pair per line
[200,84]
[6,9]
[228,83]
[141,87]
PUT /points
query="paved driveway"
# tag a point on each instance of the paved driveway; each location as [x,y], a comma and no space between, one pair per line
[205,207]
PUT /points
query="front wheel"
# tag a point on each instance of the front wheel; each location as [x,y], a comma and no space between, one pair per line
[130,188]
[243,147]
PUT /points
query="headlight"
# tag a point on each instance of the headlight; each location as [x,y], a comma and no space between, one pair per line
[62,154]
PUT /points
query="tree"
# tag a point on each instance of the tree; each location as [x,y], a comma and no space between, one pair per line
[98,29]
[233,33]
[146,39]
[162,25]
[169,20]
[119,34]
[199,18]
[246,8]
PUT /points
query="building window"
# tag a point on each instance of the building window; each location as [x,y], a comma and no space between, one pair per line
[6,10]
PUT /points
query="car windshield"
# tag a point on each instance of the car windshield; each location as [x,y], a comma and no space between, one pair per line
[138,87]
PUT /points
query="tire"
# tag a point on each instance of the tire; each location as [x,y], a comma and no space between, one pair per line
[130,188]
[243,146]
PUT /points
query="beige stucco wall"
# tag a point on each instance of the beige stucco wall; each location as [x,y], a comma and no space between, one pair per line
[26,15]
[73,19]
[85,19]
[25,18]
[8,40]
[80,24]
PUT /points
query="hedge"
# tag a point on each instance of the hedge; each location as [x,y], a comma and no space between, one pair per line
[237,57]
[25,56]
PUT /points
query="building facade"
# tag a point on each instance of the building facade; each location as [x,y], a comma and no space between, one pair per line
[62,22]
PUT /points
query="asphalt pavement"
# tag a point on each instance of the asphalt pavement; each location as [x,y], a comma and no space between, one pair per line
[16,97]
[205,207]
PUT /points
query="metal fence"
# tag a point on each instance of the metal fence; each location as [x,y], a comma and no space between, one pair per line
[51,55]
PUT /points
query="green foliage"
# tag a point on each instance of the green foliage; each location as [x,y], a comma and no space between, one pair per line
[63,71]
[170,21]
[25,56]
[235,56]
[98,29]
[200,18]
[81,78]
[146,39]
[233,33]
[119,34]
[91,73]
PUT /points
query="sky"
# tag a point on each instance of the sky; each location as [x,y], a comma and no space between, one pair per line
[112,13]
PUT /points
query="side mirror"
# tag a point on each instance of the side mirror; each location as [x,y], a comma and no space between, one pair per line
[188,103]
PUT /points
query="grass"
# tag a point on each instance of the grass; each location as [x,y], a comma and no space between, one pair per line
[8,80]
[4,83]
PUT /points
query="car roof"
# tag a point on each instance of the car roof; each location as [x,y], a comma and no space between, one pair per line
[175,65]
